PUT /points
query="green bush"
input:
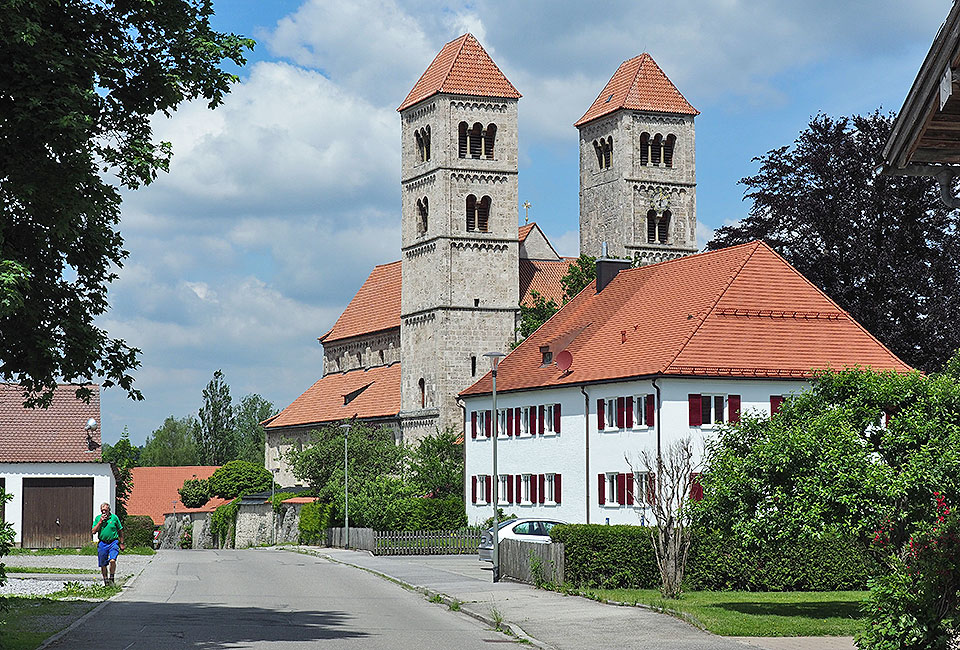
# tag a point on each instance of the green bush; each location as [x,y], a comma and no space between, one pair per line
[314,520]
[138,530]
[446,513]
[195,492]
[223,522]
[239,477]
[610,557]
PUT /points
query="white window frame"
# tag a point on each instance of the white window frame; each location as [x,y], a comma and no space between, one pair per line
[502,490]
[713,410]
[640,412]
[525,421]
[548,486]
[548,420]
[610,489]
[482,490]
[640,489]
[481,425]
[502,423]
[610,413]
[525,486]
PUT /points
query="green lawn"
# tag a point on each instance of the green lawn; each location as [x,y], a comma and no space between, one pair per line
[28,621]
[746,613]
[86,550]
[46,569]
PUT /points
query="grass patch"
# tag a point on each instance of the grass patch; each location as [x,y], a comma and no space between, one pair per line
[46,569]
[87,591]
[28,621]
[747,613]
[90,549]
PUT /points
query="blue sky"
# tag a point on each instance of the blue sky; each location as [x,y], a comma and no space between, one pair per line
[279,203]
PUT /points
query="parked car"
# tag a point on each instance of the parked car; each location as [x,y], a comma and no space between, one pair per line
[527,530]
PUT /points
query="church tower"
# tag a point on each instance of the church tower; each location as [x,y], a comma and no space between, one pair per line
[637,167]
[459,244]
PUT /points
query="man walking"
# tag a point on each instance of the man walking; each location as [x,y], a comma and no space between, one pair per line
[110,532]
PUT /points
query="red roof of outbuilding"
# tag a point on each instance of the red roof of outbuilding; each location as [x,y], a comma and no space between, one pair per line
[462,67]
[738,312]
[638,84]
[52,435]
[375,307]
[155,490]
[372,393]
[543,276]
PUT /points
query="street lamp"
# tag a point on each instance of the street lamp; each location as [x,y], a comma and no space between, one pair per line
[346,501]
[494,364]
[273,507]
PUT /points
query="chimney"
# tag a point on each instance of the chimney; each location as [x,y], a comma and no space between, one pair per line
[607,270]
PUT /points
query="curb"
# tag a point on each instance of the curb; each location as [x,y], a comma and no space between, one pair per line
[510,629]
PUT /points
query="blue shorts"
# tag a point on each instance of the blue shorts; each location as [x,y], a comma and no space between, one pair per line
[107,551]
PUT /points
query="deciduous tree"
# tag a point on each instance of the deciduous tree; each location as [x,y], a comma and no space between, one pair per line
[172,445]
[80,82]
[216,437]
[248,414]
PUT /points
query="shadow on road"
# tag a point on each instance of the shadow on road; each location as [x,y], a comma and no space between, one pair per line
[131,624]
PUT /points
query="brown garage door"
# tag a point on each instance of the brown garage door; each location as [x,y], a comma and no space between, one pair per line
[57,512]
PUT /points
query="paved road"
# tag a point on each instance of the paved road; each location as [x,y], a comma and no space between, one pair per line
[262,598]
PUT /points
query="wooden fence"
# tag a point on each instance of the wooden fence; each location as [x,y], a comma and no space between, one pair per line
[531,562]
[418,542]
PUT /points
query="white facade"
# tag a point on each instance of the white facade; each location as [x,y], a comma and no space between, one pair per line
[580,451]
[104,485]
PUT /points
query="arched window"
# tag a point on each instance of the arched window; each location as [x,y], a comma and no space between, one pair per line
[483,214]
[599,151]
[652,227]
[656,150]
[476,140]
[644,149]
[663,227]
[608,152]
[423,392]
[471,213]
[423,210]
[489,139]
[668,150]
[463,139]
[426,142]
[419,140]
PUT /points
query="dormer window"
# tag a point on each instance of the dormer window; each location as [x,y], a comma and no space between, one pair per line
[546,356]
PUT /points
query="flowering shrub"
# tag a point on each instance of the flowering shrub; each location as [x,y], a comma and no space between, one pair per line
[186,537]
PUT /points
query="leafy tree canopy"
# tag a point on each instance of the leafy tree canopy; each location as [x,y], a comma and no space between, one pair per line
[436,465]
[251,437]
[237,478]
[124,457]
[216,437]
[580,274]
[82,79]
[883,247]
[171,445]
[194,493]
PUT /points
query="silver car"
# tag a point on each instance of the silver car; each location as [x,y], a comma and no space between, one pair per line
[527,530]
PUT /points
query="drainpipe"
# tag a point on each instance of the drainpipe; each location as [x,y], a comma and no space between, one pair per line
[463,428]
[659,457]
[586,451]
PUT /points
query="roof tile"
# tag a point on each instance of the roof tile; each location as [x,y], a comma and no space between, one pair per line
[462,67]
[544,277]
[638,84]
[155,490]
[53,435]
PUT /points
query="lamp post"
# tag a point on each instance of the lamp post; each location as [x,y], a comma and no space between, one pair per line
[346,500]
[273,507]
[494,364]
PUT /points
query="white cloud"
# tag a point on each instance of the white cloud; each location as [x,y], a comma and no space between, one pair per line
[704,234]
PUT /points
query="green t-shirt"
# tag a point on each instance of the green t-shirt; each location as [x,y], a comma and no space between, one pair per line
[110,530]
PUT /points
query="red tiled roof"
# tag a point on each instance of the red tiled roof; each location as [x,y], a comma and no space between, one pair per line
[638,84]
[300,500]
[525,230]
[462,67]
[155,490]
[543,276]
[375,307]
[323,402]
[741,311]
[53,435]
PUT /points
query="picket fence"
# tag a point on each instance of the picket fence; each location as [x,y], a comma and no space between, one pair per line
[407,542]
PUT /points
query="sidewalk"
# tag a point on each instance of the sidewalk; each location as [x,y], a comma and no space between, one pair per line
[552,620]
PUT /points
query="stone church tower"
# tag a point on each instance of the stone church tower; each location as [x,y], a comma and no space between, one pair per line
[459,261]
[637,167]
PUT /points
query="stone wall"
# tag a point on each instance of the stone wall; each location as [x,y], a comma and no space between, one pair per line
[174,525]
[254,523]
[378,349]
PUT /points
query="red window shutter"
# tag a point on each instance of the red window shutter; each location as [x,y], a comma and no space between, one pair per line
[651,404]
[543,488]
[473,425]
[473,489]
[651,488]
[509,422]
[489,423]
[696,416]
[601,488]
[733,407]
[556,488]
[556,418]
[509,490]
[630,412]
[776,401]
[630,488]
[696,490]
[540,419]
[621,412]
[886,419]
[533,420]
[489,484]
[621,488]
[533,488]
[516,422]
[519,489]
[600,418]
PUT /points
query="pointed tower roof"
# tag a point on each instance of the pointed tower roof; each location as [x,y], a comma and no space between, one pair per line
[638,84]
[462,67]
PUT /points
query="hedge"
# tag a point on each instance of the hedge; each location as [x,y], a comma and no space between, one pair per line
[622,556]
[138,531]
[314,521]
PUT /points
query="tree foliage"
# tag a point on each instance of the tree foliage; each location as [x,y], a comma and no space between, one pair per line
[251,437]
[171,445]
[82,79]
[829,462]
[7,537]
[436,465]
[216,437]
[194,493]
[238,478]
[883,247]
[124,456]
[581,273]
[535,315]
